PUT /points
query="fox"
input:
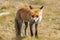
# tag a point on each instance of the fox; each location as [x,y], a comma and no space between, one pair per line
[28,15]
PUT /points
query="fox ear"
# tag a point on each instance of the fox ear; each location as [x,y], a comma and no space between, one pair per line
[41,7]
[30,7]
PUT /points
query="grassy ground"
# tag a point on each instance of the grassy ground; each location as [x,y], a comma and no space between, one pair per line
[48,29]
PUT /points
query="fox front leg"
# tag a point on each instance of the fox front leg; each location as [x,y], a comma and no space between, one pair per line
[36,34]
[31,26]
[26,25]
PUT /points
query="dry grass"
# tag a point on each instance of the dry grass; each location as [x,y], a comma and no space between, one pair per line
[48,29]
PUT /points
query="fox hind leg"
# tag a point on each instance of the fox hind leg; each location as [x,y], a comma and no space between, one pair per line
[18,25]
[17,28]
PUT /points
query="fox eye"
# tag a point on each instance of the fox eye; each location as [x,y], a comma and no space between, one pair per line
[33,16]
[37,16]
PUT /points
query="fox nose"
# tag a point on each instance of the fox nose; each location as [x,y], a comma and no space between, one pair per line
[34,20]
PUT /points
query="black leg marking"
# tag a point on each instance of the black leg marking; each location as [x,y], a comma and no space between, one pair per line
[36,34]
[31,31]
[26,25]
[18,26]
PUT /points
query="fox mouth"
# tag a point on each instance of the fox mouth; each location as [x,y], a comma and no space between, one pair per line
[34,20]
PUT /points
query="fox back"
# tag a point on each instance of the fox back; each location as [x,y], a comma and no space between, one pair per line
[24,14]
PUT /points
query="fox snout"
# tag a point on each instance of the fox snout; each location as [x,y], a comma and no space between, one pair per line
[34,19]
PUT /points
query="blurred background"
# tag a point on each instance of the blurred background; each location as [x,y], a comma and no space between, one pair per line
[48,29]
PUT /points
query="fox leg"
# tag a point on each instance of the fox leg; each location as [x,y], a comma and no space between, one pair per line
[18,25]
[36,34]
[31,31]
[26,25]
[17,28]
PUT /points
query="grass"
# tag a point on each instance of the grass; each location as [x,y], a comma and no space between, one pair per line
[48,29]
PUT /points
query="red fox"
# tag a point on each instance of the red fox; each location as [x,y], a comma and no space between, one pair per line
[28,14]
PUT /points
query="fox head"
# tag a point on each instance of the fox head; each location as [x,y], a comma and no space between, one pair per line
[36,14]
